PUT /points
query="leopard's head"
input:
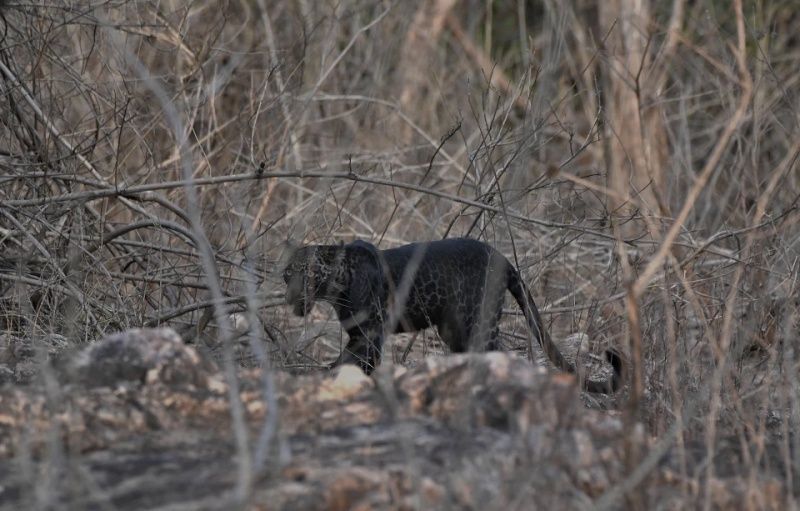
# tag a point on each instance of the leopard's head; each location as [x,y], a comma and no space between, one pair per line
[309,275]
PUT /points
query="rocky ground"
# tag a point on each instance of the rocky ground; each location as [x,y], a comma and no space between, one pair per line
[140,420]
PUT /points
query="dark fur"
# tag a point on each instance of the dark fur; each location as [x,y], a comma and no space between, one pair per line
[456,285]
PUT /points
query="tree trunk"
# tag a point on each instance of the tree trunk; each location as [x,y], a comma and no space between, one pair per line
[636,147]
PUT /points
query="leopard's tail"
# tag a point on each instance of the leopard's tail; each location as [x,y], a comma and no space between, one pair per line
[523,297]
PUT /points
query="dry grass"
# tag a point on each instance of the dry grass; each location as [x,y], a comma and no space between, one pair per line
[157,156]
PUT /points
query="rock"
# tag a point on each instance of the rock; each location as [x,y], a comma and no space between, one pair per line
[141,355]
[146,421]
[19,361]
[6,374]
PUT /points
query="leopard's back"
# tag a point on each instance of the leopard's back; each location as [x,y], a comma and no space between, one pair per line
[448,278]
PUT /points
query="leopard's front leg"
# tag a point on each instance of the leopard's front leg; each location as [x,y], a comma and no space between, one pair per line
[363,350]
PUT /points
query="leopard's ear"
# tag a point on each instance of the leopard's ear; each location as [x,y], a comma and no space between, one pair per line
[363,246]
[370,266]
[369,250]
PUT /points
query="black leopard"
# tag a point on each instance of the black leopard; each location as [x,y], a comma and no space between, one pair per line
[456,285]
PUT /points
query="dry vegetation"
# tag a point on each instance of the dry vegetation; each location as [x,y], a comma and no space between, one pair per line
[637,160]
